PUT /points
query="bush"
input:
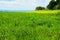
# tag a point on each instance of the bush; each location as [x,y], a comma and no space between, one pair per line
[40,8]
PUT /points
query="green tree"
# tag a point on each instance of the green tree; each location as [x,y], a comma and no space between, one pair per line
[54,4]
[40,8]
[51,4]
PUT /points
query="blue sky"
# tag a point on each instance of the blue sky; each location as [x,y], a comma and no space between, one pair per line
[22,4]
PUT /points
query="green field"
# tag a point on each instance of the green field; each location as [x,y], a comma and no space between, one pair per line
[32,25]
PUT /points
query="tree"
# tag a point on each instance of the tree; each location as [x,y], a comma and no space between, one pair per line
[54,4]
[40,8]
[51,4]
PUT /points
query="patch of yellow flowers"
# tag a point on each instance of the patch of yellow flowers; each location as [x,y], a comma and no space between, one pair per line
[47,11]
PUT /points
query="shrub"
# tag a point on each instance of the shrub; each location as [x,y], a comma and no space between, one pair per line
[40,8]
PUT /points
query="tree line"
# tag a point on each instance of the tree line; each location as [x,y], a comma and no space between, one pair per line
[53,5]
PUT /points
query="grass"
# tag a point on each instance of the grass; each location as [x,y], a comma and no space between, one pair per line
[30,25]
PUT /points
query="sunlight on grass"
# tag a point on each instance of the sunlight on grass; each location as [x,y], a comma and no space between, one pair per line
[47,11]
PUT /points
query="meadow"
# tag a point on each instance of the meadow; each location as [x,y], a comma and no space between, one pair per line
[32,25]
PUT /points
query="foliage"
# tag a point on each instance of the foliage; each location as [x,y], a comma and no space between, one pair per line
[39,8]
[54,4]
